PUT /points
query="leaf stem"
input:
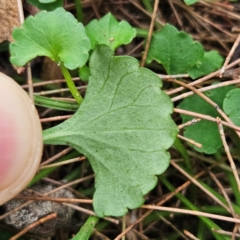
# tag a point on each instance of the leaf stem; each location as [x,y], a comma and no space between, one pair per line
[79,10]
[55,103]
[70,84]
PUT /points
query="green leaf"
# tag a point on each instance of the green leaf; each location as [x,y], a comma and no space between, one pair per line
[190,2]
[56,34]
[86,230]
[46,6]
[84,73]
[110,32]
[231,105]
[204,132]
[175,50]
[210,62]
[123,127]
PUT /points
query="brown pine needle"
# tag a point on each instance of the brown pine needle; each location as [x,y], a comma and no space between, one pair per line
[190,235]
[223,193]
[204,89]
[150,33]
[207,99]
[203,79]
[234,231]
[219,231]
[62,153]
[58,118]
[232,164]
[189,123]
[49,82]
[194,181]
[169,196]
[71,200]
[46,194]
[191,212]
[199,145]
[172,226]
[61,90]
[206,117]
[173,76]
[30,81]
[78,159]
[91,213]
[40,221]
[228,58]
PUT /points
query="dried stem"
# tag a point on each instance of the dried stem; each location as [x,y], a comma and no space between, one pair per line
[232,164]
[228,58]
[150,33]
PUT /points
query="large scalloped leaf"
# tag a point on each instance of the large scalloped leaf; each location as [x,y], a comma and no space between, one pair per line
[110,32]
[174,49]
[210,62]
[56,34]
[204,132]
[231,105]
[124,127]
